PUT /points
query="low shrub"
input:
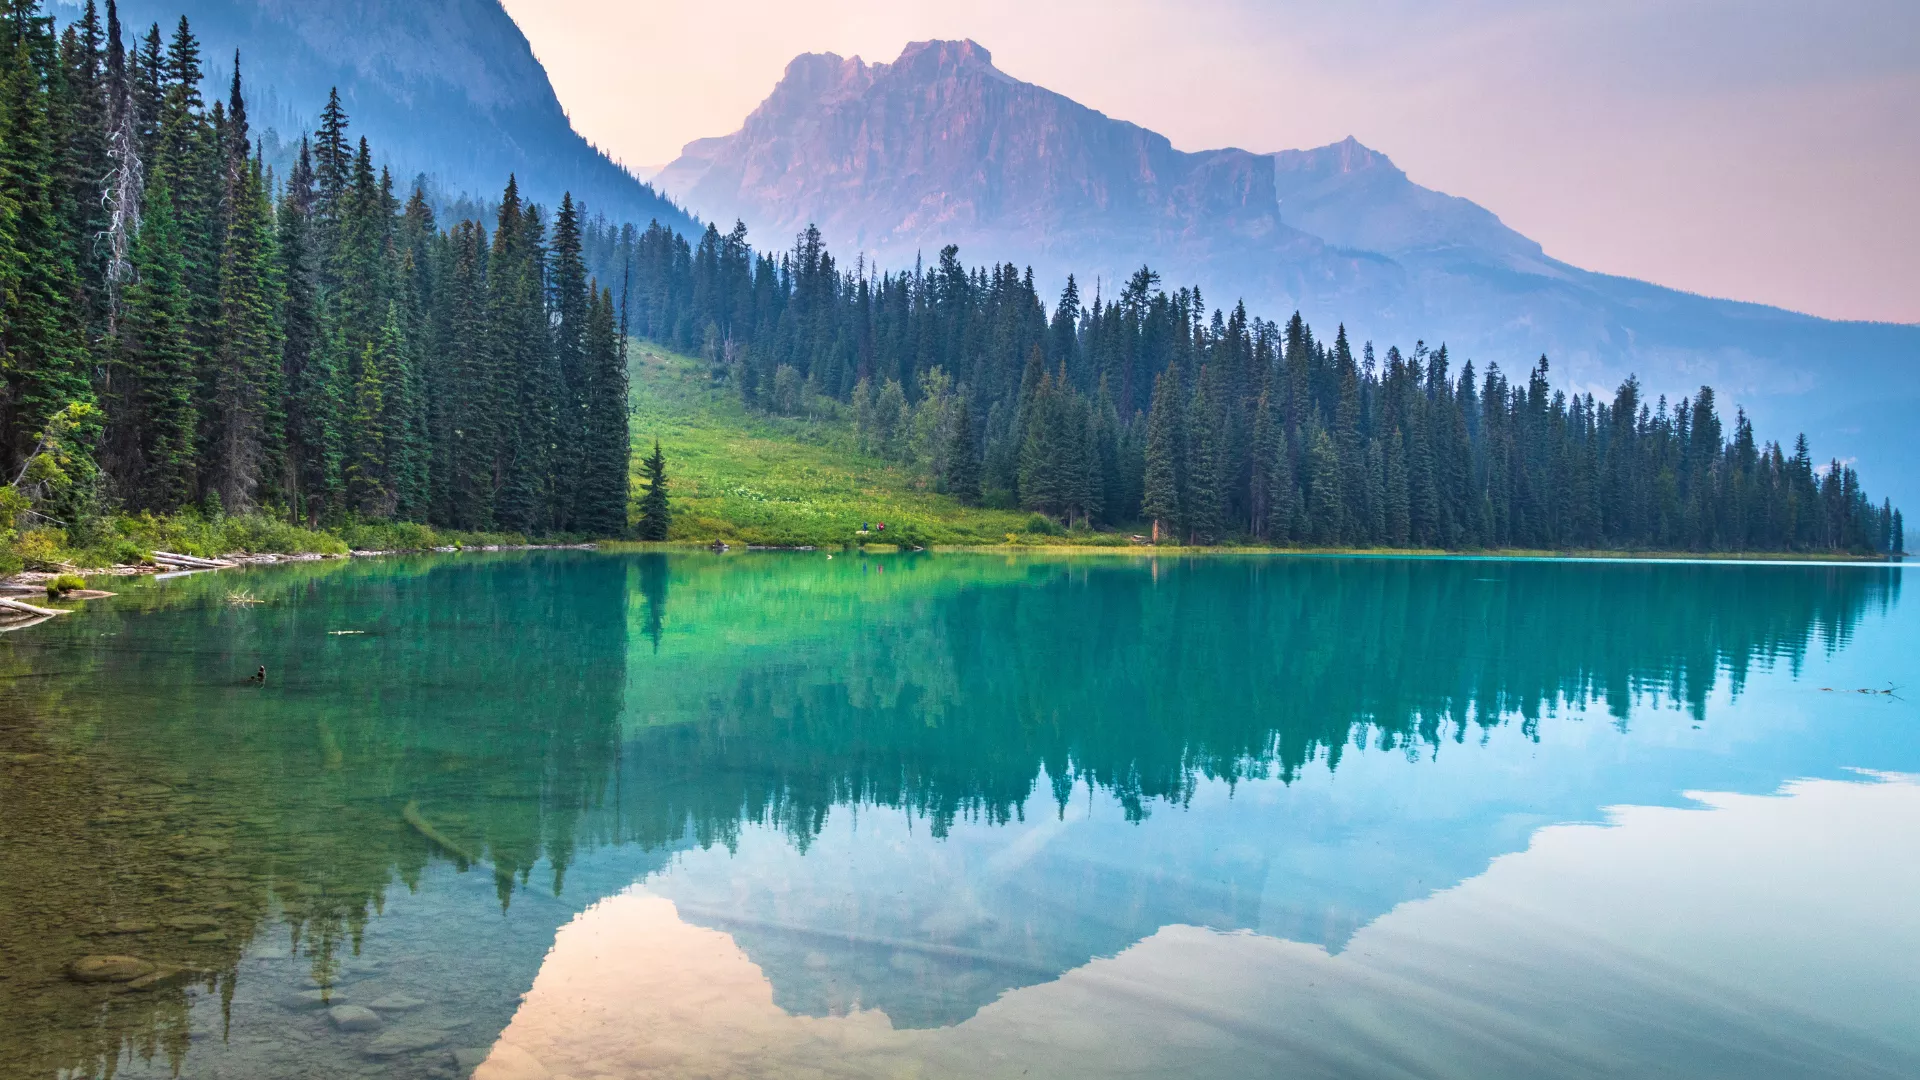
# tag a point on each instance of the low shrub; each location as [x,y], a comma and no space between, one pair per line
[64,584]
[43,549]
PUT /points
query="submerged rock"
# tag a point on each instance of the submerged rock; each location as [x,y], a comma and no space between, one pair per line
[395,1003]
[108,969]
[166,977]
[405,1041]
[355,1018]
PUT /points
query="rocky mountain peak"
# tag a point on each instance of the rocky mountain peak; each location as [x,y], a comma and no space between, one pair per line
[922,60]
[1343,158]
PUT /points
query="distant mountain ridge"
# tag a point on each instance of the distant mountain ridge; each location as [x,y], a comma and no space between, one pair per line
[449,88]
[895,160]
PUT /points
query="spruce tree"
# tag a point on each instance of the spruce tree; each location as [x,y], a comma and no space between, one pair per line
[245,453]
[1283,507]
[528,379]
[151,405]
[313,407]
[1326,502]
[571,307]
[1204,500]
[607,445]
[366,463]
[43,357]
[656,515]
[1160,501]
[962,456]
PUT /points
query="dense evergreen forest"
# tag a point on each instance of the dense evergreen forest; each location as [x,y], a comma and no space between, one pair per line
[1143,407]
[181,328]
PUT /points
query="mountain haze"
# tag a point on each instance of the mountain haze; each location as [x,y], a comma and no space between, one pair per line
[940,146]
[449,88]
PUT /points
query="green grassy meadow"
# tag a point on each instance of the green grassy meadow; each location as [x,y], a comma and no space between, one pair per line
[747,477]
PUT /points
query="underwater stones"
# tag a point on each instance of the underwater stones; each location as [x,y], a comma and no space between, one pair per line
[108,969]
[395,1002]
[311,999]
[355,1018]
[165,977]
[211,937]
[405,1041]
[133,926]
[468,1058]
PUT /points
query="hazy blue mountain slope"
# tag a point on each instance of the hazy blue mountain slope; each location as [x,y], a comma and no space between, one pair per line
[895,160]
[450,88]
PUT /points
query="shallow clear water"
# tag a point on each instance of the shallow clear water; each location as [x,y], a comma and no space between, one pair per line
[592,815]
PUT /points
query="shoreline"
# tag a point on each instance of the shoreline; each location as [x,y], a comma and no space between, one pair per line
[1151,551]
[237,560]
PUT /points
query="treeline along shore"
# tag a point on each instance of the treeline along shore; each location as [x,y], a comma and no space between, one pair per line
[187,334]
[1143,408]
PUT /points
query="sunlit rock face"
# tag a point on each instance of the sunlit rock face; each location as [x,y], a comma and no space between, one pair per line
[942,147]
[893,161]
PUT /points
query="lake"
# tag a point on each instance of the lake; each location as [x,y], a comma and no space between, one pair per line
[583,815]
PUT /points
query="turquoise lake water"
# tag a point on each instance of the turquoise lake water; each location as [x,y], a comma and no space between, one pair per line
[583,815]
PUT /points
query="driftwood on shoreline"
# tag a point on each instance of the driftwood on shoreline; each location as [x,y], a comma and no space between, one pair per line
[193,561]
[30,609]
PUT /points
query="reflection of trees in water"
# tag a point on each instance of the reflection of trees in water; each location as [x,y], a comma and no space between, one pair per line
[1145,682]
[487,694]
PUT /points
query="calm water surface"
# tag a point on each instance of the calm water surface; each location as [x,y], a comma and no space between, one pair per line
[579,815]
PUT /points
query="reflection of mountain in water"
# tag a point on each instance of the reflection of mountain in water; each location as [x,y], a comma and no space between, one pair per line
[567,723]
[1156,688]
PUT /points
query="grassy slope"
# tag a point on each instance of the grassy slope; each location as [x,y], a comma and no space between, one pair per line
[747,477]
[758,479]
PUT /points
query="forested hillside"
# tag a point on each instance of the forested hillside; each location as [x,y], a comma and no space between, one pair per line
[183,330]
[940,146]
[1217,425]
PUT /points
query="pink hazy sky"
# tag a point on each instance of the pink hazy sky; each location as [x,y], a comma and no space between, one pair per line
[1763,150]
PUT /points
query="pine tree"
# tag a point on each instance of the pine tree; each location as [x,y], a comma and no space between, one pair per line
[366,465]
[656,515]
[1326,503]
[518,331]
[570,305]
[1204,501]
[607,444]
[1283,508]
[311,477]
[962,460]
[247,424]
[43,358]
[1398,518]
[151,404]
[475,381]
[1160,501]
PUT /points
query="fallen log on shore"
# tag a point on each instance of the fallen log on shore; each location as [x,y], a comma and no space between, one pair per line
[30,609]
[191,560]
